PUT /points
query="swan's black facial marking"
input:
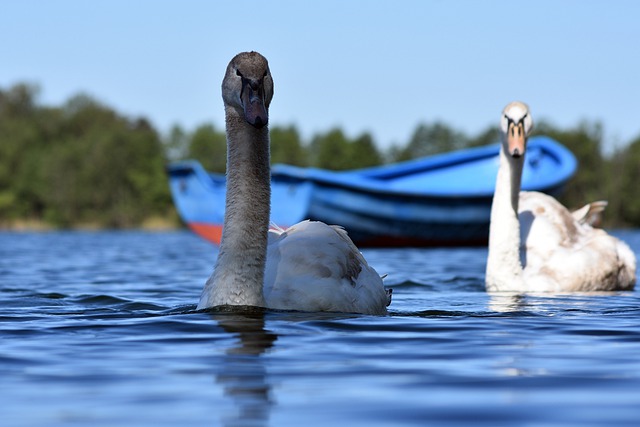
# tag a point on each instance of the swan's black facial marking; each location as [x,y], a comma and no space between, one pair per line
[511,121]
[249,78]
[516,135]
[515,126]
[253,102]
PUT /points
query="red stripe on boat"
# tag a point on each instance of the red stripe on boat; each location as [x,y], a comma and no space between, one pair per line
[210,232]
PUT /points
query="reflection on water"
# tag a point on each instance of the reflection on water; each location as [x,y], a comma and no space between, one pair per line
[504,302]
[543,302]
[242,372]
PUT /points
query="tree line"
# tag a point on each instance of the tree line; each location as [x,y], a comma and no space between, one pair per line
[84,164]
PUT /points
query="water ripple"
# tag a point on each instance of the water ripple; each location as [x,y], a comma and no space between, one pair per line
[102,329]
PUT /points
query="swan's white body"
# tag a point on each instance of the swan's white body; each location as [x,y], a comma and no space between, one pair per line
[308,267]
[535,243]
[312,266]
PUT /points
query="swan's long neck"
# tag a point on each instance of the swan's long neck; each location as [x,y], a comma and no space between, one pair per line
[504,268]
[239,272]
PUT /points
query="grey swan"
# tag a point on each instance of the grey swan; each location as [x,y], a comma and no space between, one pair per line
[311,266]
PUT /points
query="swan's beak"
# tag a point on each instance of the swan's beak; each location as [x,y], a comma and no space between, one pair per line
[516,139]
[252,97]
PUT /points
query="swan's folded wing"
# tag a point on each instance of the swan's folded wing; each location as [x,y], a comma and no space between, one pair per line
[591,213]
[314,267]
[567,251]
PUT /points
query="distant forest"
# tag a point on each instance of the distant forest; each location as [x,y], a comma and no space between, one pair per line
[82,164]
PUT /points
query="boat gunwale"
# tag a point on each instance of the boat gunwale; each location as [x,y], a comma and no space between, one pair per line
[361,180]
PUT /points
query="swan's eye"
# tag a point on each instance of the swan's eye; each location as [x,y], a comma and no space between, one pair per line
[265,74]
[238,73]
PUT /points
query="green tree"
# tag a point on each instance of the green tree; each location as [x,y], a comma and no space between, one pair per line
[286,146]
[79,163]
[331,150]
[209,147]
[177,144]
[585,142]
[24,130]
[625,177]
[429,139]
[105,169]
[364,152]
[487,137]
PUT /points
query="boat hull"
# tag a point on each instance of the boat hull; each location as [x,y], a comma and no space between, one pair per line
[442,200]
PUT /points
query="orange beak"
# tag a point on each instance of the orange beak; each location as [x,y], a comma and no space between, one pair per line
[516,139]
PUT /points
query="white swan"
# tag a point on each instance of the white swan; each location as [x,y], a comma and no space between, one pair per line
[310,266]
[535,243]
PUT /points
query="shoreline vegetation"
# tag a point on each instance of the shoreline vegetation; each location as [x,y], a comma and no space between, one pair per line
[83,166]
[36,225]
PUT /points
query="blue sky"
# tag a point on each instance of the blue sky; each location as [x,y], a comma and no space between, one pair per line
[380,67]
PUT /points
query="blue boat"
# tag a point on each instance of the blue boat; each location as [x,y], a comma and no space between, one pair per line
[440,200]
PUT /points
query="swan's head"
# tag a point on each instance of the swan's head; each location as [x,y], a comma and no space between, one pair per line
[248,87]
[516,124]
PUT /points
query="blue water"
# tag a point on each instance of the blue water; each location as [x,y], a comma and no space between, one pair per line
[100,329]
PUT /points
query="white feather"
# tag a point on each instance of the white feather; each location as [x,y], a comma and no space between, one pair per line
[316,267]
